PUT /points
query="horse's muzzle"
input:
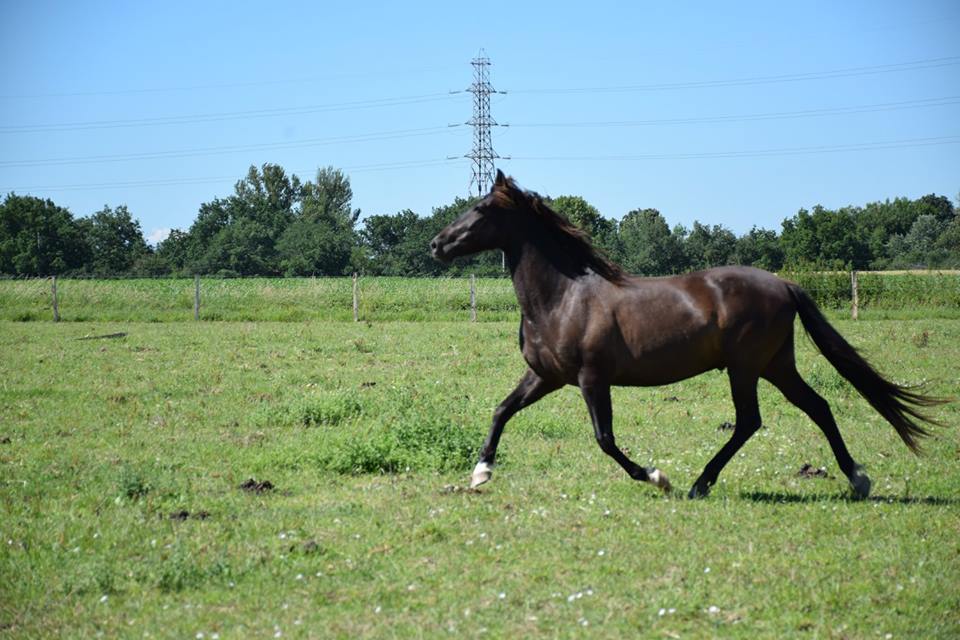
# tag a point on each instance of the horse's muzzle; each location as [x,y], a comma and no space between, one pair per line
[436,249]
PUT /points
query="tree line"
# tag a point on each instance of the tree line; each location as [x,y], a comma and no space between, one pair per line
[275,225]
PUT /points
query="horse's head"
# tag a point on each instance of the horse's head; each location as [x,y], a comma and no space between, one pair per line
[486,225]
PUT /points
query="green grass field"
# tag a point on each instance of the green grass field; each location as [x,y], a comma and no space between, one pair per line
[881,295]
[121,512]
[257,299]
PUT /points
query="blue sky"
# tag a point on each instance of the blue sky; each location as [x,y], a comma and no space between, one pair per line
[728,113]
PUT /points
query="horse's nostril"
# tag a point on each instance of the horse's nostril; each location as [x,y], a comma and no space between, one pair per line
[433,244]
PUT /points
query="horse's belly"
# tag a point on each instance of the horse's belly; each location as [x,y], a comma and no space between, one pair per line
[664,366]
[660,374]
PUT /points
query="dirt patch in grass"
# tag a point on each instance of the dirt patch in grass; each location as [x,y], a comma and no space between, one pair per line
[455,488]
[809,471]
[253,486]
[183,514]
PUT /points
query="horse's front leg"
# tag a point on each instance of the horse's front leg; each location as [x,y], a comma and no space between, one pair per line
[531,388]
[597,396]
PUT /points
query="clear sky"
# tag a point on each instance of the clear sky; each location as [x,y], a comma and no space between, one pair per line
[729,113]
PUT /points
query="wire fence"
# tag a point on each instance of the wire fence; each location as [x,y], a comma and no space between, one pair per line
[209,298]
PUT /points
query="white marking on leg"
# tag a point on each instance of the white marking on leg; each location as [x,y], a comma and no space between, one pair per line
[481,474]
[659,480]
[860,482]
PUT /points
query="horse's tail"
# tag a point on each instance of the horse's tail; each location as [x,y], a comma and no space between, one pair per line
[896,403]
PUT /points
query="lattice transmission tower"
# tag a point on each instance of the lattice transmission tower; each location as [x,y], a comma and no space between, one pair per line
[482,155]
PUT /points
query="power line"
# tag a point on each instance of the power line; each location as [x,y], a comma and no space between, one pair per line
[170,182]
[199,87]
[863,146]
[706,155]
[229,115]
[915,65]
[782,115]
[433,97]
[208,151]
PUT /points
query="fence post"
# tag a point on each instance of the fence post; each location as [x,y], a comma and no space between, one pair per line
[473,298]
[196,297]
[53,294]
[356,303]
[855,296]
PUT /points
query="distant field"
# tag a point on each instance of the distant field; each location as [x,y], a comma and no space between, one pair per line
[122,512]
[898,295]
[265,299]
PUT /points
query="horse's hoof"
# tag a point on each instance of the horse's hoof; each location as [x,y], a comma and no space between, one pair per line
[860,483]
[481,474]
[698,492]
[659,480]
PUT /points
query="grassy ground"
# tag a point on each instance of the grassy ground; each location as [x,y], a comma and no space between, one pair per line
[257,299]
[121,512]
[901,295]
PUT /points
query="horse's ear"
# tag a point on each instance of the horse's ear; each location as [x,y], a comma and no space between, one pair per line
[501,180]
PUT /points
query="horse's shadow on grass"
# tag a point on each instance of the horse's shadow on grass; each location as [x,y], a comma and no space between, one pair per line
[776,497]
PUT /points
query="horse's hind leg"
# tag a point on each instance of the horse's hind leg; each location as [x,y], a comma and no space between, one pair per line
[597,397]
[531,388]
[785,377]
[743,387]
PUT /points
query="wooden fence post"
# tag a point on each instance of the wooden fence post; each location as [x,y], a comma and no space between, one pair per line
[196,297]
[356,302]
[855,295]
[473,298]
[56,303]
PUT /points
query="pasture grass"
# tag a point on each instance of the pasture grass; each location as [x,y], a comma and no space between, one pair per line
[122,512]
[257,299]
[881,296]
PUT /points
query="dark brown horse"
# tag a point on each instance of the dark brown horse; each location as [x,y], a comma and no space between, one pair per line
[587,323]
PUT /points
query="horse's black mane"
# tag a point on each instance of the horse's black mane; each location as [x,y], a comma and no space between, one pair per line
[576,242]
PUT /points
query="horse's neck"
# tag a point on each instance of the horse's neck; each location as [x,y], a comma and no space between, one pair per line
[539,283]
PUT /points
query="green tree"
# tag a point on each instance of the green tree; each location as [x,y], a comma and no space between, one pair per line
[37,237]
[709,246]
[384,238]
[759,248]
[240,234]
[798,239]
[151,264]
[921,246]
[115,239]
[602,231]
[948,245]
[321,238]
[329,198]
[647,246]
[266,196]
[312,247]
[175,251]
[825,238]
[878,222]
[939,207]
[244,247]
[840,244]
[924,232]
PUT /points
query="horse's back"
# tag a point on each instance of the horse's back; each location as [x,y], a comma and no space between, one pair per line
[754,311]
[676,327]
